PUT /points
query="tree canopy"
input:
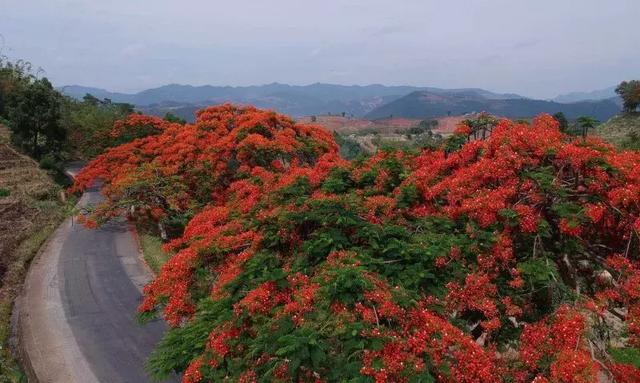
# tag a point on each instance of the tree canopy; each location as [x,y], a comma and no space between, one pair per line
[496,260]
[629,91]
[35,114]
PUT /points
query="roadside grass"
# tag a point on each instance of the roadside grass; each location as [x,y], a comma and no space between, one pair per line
[151,245]
[152,250]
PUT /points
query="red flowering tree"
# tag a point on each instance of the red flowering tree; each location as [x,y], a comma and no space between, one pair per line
[513,258]
[172,170]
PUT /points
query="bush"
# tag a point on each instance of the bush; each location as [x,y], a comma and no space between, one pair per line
[48,163]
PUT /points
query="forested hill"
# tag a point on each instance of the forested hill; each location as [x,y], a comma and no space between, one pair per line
[425,104]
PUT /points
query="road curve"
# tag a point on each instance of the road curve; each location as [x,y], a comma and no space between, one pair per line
[77,313]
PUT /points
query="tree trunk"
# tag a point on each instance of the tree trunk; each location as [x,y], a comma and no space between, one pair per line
[34,150]
[163,232]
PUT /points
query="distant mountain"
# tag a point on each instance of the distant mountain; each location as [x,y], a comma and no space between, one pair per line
[600,94]
[427,104]
[294,100]
[78,91]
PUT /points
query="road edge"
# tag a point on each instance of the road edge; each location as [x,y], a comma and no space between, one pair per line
[47,347]
[52,247]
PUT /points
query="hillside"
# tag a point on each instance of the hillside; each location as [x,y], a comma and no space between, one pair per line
[29,211]
[619,128]
[425,104]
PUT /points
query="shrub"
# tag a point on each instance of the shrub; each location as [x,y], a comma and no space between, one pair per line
[48,163]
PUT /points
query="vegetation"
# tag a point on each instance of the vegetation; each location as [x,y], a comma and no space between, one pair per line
[622,130]
[34,113]
[500,259]
[349,147]
[562,121]
[89,124]
[426,104]
[29,212]
[629,91]
[586,123]
[52,128]
[151,245]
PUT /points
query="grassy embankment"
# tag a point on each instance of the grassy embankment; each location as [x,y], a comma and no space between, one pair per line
[622,130]
[152,250]
[30,209]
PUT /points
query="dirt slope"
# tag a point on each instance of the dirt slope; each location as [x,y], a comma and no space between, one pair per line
[30,209]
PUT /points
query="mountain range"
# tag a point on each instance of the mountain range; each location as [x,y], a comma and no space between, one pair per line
[425,104]
[600,94]
[369,101]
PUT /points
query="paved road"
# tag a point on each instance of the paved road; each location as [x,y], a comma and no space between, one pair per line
[78,312]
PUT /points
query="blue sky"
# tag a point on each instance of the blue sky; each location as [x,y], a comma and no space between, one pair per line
[535,48]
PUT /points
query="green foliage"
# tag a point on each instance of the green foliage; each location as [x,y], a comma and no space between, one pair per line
[538,272]
[562,120]
[14,78]
[349,148]
[425,126]
[44,123]
[632,141]
[89,124]
[173,118]
[629,91]
[47,162]
[296,192]
[35,115]
[409,195]
[338,182]
[4,192]
[454,143]
[182,344]
[544,177]
[346,284]
[626,355]
[586,123]
[568,210]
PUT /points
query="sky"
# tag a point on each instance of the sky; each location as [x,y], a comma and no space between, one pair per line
[536,48]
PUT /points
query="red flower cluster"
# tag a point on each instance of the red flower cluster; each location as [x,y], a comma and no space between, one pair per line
[561,337]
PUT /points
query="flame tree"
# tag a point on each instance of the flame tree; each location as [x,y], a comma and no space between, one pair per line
[513,258]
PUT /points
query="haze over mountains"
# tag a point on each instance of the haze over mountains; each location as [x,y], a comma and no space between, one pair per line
[599,94]
[423,104]
[369,101]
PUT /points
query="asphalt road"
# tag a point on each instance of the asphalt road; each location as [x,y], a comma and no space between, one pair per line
[78,312]
[101,276]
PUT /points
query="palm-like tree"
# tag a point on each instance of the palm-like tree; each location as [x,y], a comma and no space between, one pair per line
[586,123]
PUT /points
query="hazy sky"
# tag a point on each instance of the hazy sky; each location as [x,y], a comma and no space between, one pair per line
[537,48]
